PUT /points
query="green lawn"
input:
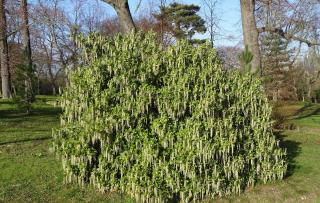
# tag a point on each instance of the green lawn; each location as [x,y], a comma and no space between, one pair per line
[31,173]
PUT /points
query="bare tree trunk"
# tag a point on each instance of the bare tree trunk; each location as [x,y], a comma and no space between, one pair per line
[250,32]
[27,49]
[26,32]
[123,12]
[4,56]
[52,79]
[54,90]
[162,5]
[309,93]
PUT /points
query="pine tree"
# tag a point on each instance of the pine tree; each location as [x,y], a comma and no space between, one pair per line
[245,59]
[27,67]
[276,66]
[182,20]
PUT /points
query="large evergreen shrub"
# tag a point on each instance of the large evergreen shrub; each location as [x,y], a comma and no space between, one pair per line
[164,124]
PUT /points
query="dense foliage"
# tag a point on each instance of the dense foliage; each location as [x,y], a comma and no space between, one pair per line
[24,84]
[278,71]
[164,124]
[182,21]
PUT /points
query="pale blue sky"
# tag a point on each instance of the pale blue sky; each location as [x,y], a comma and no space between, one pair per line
[228,11]
[230,21]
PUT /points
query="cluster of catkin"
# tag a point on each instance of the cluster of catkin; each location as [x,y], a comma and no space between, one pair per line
[164,124]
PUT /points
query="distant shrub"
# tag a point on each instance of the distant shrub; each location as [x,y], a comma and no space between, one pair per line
[164,124]
[281,113]
[24,81]
[279,117]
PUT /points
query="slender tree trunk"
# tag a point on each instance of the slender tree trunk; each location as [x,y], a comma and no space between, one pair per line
[26,32]
[250,32]
[54,89]
[4,56]
[309,93]
[38,84]
[27,49]
[161,23]
[211,32]
[52,79]
[124,14]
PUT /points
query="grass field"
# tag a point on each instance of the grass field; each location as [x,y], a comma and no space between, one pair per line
[29,171]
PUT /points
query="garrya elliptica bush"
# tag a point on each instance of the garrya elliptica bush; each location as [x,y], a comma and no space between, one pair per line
[164,124]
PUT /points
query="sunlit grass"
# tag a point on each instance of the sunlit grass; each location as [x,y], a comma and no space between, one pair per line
[31,173]
[29,170]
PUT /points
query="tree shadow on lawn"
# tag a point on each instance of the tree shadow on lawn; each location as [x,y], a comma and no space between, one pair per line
[25,140]
[8,102]
[30,122]
[307,108]
[20,115]
[293,149]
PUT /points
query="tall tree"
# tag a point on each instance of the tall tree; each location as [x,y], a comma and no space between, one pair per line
[4,56]
[29,95]
[182,20]
[53,49]
[250,32]
[209,7]
[277,66]
[295,26]
[124,14]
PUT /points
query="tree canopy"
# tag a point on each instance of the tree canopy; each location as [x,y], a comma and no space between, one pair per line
[182,20]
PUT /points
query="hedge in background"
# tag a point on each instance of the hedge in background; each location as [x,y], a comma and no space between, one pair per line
[164,125]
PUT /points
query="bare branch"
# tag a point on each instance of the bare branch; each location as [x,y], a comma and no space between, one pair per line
[288,36]
[15,31]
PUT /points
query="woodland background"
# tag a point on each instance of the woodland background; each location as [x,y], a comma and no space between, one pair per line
[37,46]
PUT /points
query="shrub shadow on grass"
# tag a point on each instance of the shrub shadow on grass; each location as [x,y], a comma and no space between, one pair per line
[293,150]
[25,140]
